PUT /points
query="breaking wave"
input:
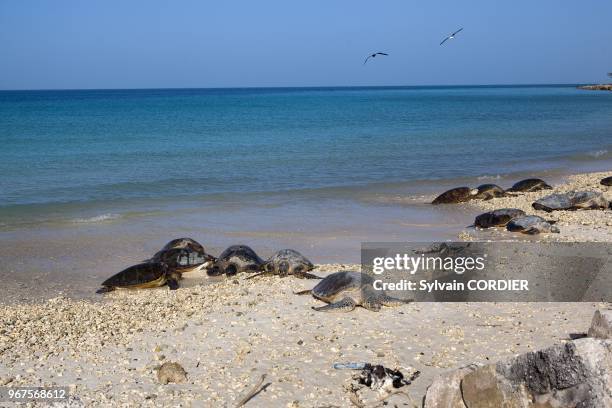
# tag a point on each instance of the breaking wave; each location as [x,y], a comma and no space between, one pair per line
[97,218]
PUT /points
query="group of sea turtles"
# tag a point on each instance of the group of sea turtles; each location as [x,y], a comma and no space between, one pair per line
[489,191]
[516,220]
[183,255]
[343,291]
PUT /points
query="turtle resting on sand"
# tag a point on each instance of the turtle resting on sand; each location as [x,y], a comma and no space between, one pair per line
[497,218]
[456,195]
[142,276]
[489,191]
[573,200]
[531,224]
[529,185]
[184,255]
[606,181]
[345,290]
[288,262]
[236,259]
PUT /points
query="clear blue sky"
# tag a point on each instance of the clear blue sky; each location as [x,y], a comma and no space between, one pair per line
[151,44]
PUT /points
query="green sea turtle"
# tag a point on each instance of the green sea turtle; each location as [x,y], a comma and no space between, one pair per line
[497,218]
[184,255]
[606,181]
[456,195]
[573,200]
[489,191]
[288,262]
[529,185]
[531,224]
[142,276]
[236,259]
[345,290]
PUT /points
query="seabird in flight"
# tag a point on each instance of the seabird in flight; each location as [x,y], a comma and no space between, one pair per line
[373,56]
[452,36]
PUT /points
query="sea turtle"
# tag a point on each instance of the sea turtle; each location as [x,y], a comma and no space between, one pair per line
[529,185]
[497,218]
[345,290]
[141,276]
[235,259]
[183,255]
[456,195]
[489,191]
[573,200]
[288,262]
[531,224]
[606,181]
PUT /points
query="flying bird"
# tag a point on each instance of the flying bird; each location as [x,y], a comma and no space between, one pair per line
[373,56]
[452,36]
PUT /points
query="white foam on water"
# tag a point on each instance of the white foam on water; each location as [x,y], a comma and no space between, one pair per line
[598,153]
[487,177]
[97,218]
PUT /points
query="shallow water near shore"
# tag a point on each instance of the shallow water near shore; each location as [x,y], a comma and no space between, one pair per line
[94,181]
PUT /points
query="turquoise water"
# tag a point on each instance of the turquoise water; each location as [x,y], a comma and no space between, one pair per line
[109,153]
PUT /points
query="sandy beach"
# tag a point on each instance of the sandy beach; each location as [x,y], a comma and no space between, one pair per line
[228,332]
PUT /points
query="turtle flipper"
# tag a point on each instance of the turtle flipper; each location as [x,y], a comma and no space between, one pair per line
[105,289]
[344,305]
[303,292]
[257,274]
[391,301]
[306,275]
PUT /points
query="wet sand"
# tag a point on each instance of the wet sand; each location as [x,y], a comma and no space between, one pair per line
[226,333]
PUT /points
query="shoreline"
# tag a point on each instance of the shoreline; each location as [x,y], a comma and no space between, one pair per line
[598,87]
[227,332]
[72,261]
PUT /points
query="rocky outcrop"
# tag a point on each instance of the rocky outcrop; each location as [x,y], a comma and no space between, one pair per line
[445,390]
[601,326]
[574,374]
[600,87]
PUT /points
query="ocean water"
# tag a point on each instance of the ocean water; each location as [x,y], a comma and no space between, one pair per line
[94,181]
[96,155]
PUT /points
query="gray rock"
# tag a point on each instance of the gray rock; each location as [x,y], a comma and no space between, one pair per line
[574,374]
[573,200]
[445,390]
[601,326]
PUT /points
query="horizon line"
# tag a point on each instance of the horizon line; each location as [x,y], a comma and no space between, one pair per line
[295,87]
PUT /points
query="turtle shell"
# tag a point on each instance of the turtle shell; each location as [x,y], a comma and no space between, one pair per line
[236,259]
[572,200]
[149,274]
[182,255]
[488,191]
[497,218]
[531,224]
[287,262]
[455,195]
[186,243]
[531,184]
[341,281]
[606,181]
